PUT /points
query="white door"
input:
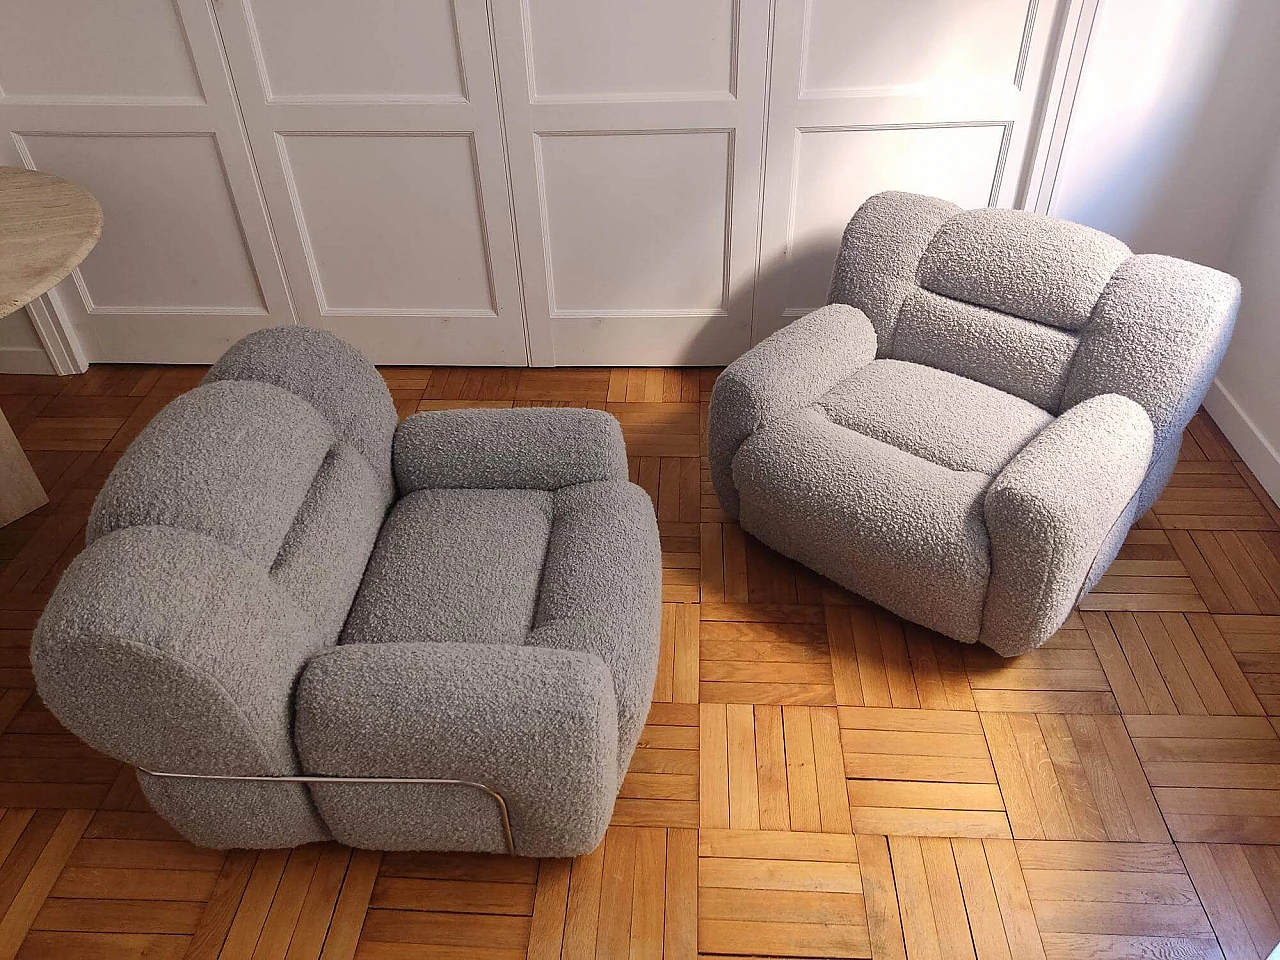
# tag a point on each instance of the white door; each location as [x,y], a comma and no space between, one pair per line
[931,96]
[504,182]
[635,136]
[131,99]
[376,133]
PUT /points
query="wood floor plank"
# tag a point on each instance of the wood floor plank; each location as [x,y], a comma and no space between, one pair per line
[802,774]
[713,766]
[349,912]
[777,845]
[949,912]
[985,922]
[613,935]
[930,739]
[919,926]
[771,769]
[880,897]
[40,880]
[680,931]
[744,796]
[582,916]
[219,912]
[546,930]
[1016,911]
[648,895]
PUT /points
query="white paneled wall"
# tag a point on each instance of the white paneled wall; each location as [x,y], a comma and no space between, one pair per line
[518,181]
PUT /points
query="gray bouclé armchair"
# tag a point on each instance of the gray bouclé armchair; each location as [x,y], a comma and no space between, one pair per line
[301,621]
[967,431]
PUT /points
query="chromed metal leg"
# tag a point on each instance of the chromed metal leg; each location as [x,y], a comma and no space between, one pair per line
[303,778]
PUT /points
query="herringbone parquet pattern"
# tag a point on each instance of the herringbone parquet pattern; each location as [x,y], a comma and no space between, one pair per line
[817,778]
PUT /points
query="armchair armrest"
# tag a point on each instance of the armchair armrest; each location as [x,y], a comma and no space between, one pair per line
[1050,509]
[535,725]
[533,448]
[781,374]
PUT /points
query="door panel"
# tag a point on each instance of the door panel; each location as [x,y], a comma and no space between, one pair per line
[132,99]
[837,169]
[588,49]
[373,49]
[673,217]
[71,49]
[935,96]
[370,247]
[635,134]
[377,137]
[173,238]
[859,44]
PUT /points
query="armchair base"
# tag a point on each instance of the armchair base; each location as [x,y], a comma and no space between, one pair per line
[366,781]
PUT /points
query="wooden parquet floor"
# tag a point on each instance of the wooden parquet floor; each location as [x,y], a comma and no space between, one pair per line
[817,778]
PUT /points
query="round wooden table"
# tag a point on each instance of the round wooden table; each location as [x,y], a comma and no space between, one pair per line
[47,226]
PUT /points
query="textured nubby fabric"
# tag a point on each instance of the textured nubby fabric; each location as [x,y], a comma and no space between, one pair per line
[786,372]
[880,519]
[1023,264]
[875,270]
[328,373]
[522,448]
[455,565]
[602,592]
[947,419]
[169,649]
[500,624]
[1025,359]
[540,728]
[1049,511]
[196,463]
[976,465]
[1157,336]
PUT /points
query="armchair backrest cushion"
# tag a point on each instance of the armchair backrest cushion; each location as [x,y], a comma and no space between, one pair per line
[224,551]
[1050,311]
[328,373]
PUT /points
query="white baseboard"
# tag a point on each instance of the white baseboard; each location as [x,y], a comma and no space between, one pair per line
[1263,459]
[25,360]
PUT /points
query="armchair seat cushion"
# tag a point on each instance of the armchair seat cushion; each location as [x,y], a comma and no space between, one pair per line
[938,416]
[882,520]
[454,566]
[886,474]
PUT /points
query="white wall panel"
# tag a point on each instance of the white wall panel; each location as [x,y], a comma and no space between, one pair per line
[853,44]
[378,141]
[73,48]
[171,240]
[508,181]
[837,169]
[933,96]
[604,49]
[133,99]
[635,222]
[374,245]
[374,48]
[635,138]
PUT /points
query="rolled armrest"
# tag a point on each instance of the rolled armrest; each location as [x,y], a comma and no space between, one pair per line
[534,448]
[1049,510]
[537,726]
[601,593]
[783,373]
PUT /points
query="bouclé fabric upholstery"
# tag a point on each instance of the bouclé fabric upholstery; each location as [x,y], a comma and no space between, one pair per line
[966,432]
[280,581]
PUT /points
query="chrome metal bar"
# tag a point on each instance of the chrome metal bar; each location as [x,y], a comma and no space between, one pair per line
[502,804]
